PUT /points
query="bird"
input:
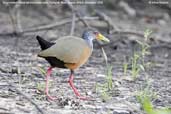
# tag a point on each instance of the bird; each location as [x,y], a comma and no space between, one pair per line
[68,52]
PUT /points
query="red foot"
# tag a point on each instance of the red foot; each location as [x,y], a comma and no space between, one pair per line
[47,83]
[52,98]
[74,89]
[70,82]
[83,98]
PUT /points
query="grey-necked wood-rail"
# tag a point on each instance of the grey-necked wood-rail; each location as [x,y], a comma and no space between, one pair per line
[68,52]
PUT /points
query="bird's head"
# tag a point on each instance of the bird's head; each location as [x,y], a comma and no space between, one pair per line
[92,34]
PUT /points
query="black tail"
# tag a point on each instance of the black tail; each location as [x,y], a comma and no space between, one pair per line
[43,43]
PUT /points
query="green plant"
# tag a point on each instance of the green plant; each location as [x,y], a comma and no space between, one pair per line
[40,86]
[145,97]
[41,70]
[21,76]
[102,89]
[105,88]
[144,45]
[138,60]
[125,68]
[135,66]
[109,80]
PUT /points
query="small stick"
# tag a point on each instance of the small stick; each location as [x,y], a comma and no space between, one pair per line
[73,24]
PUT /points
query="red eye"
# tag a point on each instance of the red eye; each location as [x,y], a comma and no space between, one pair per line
[96,33]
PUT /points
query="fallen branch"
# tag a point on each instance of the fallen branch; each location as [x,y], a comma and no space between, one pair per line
[49,26]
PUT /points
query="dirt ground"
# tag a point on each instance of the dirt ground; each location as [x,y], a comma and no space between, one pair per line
[21,66]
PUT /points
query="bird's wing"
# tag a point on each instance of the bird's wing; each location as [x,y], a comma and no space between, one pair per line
[68,49]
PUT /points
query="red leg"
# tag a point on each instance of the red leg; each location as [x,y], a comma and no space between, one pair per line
[71,77]
[47,83]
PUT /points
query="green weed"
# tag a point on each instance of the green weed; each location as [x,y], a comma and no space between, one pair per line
[145,98]
[138,60]
[135,66]
[40,87]
[41,70]
[125,68]
[105,88]
[109,80]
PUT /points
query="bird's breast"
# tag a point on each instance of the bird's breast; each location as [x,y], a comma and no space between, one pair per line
[86,53]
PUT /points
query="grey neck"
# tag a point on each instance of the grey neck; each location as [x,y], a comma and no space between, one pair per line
[89,39]
[90,43]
